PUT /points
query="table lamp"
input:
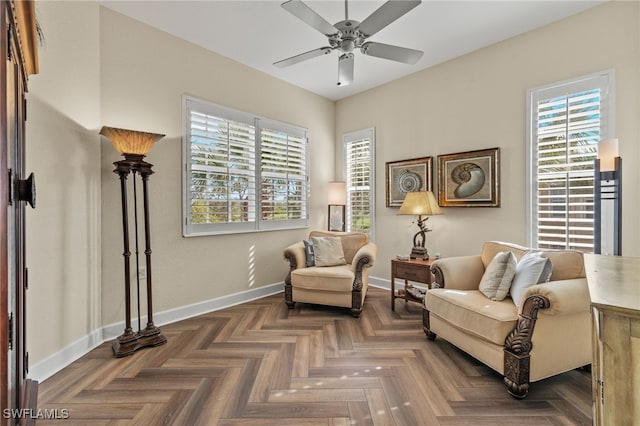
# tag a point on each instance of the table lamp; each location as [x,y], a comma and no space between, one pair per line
[421,203]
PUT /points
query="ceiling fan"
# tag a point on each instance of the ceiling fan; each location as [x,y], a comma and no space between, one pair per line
[348,35]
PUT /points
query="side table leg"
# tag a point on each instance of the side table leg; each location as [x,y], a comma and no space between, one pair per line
[393,293]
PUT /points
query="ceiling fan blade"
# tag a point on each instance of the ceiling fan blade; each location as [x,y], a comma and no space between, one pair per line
[308,15]
[394,53]
[386,14]
[345,69]
[303,57]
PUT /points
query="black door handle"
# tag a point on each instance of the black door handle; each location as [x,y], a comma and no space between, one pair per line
[27,190]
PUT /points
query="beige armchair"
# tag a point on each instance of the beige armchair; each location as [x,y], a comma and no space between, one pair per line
[549,333]
[342,284]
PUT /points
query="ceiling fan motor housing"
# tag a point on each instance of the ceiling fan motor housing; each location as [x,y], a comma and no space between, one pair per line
[348,37]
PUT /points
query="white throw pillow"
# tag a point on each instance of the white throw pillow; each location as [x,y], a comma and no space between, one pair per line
[532,269]
[328,251]
[497,277]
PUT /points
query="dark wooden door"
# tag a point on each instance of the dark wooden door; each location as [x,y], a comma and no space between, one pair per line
[16,190]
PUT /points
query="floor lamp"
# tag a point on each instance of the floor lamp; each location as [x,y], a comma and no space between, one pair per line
[134,145]
[607,183]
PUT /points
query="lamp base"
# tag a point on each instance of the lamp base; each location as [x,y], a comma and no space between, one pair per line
[129,342]
[419,253]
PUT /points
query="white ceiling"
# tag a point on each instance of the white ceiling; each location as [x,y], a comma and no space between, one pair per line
[258,33]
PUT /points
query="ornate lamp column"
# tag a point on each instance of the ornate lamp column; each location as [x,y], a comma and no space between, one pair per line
[134,145]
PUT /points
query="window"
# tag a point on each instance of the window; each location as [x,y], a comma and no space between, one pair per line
[566,122]
[242,172]
[359,174]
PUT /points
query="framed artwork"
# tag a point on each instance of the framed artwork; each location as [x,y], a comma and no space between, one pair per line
[469,179]
[407,176]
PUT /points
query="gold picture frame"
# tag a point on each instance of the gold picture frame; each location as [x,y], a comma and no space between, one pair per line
[469,179]
[407,176]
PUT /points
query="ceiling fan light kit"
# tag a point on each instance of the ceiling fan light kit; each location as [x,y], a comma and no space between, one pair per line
[349,35]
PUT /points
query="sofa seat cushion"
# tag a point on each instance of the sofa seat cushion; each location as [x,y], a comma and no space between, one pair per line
[472,312]
[326,278]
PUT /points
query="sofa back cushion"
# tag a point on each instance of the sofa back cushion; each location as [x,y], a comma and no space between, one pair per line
[567,264]
[351,241]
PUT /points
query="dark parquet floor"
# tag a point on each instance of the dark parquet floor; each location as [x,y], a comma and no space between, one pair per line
[261,364]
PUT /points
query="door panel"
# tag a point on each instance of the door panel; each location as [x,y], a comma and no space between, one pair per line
[16,391]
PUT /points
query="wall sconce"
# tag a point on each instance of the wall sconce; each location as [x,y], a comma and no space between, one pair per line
[422,203]
[134,145]
[607,186]
[337,200]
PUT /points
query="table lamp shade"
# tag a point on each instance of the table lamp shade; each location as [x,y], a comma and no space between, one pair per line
[420,203]
[130,141]
[337,194]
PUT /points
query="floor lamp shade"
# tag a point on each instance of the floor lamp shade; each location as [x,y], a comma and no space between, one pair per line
[130,141]
[134,145]
[607,153]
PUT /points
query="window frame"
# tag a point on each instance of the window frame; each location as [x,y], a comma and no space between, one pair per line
[605,80]
[190,229]
[348,138]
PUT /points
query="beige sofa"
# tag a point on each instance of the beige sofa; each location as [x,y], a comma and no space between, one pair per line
[340,285]
[548,334]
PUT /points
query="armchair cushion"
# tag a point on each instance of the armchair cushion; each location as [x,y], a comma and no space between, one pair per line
[328,251]
[470,310]
[310,257]
[351,241]
[497,278]
[329,278]
[532,269]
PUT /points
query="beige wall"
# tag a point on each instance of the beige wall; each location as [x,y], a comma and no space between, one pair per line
[100,68]
[63,149]
[145,72]
[479,101]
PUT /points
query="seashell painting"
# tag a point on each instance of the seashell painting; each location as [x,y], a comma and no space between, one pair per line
[470,178]
[406,176]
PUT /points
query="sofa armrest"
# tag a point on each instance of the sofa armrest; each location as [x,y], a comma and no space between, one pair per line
[295,255]
[364,257]
[460,273]
[565,296]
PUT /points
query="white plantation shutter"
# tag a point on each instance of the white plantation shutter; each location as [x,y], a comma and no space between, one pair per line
[359,175]
[567,122]
[222,170]
[284,183]
[238,176]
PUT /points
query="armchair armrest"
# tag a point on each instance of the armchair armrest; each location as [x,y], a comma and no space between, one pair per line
[565,296]
[553,298]
[460,273]
[364,257]
[295,255]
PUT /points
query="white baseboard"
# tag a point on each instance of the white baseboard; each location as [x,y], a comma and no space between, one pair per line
[58,360]
[380,283]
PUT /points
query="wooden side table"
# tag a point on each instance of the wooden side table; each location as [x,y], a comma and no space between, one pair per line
[409,270]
